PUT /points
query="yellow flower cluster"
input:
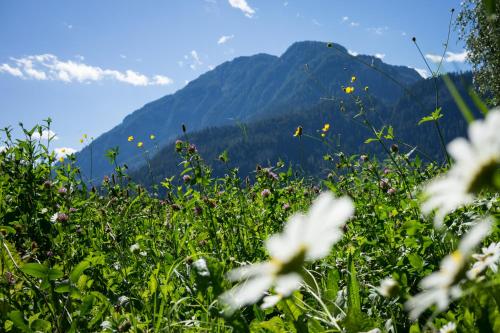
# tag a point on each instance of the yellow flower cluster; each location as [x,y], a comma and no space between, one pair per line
[298,132]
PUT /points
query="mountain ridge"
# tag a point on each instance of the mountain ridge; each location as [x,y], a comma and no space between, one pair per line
[242,90]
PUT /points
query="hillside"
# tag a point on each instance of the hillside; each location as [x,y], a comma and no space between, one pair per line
[246,89]
[266,141]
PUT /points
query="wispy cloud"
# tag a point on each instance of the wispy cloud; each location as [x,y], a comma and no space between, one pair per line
[316,22]
[14,71]
[378,30]
[64,151]
[195,60]
[449,57]
[353,53]
[379,55]
[49,67]
[422,72]
[354,24]
[45,135]
[243,6]
[224,39]
[345,18]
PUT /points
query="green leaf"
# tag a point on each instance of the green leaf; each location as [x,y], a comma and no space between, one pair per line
[17,318]
[78,270]
[353,298]
[425,119]
[40,325]
[54,274]
[416,261]
[370,140]
[35,270]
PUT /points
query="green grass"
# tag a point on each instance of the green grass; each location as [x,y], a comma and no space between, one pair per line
[71,275]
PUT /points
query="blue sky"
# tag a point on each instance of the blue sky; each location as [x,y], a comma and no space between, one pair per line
[87,64]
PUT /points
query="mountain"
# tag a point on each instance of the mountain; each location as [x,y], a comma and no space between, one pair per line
[265,142]
[247,89]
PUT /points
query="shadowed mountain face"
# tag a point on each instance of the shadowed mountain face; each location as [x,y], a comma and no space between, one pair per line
[244,90]
[269,140]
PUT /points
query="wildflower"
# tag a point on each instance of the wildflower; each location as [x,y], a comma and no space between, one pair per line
[349,90]
[59,217]
[488,259]
[61,159]
[363,158]
[298,131]
[123,300]
[197,210]
[152,137]
[62,190]
[286,206]
[140,144]
[106,325]
[186,178]
[306,237]
[391,191]
[384,184]
[178,145]
[388,287]
[201,267]
[265,193]
[476,165]
[353,78]
[192,149]
[448,328]
[326,127]
[130,138]
[366,88]
[134,248]
[85,136]
[81,140]
[442,287]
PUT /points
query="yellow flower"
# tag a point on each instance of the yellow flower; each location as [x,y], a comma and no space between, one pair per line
[349,90]
[63,150]
[323,135]
[366,88]
[81,140]
[326,127]
[61,159]
[130,138]
[152,136]
[139,144]
[353,78]
[85,136]
[298,131]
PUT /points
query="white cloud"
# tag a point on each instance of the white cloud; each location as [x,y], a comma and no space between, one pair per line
[456,57]
[211,67]
[285,3]
[243,6]
[79,57]
[403,33]
[345,18]
[379,55]
[354,24]
[11,70]
[378,30]
[49,67]
[64,151]
[449,57]
[433,57]
[45,135]
[123,56]
[195,60]
[162,80]
[353,53]
[316,22]
[224,39]
[422,72]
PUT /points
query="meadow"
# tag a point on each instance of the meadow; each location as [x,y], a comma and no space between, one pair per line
[387,244]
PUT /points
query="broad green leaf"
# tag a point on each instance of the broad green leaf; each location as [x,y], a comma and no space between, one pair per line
[78,270]
[35,270]
[17,318]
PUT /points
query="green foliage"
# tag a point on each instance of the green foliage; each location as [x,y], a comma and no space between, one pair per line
[123,259]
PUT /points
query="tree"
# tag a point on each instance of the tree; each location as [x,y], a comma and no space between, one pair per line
[479,26]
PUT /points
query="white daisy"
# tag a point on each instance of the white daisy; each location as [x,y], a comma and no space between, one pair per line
[488,259]
[448,328]
[388,287]
[134,248]
[476,162]
[442,287]
[201,267]
[304,238]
